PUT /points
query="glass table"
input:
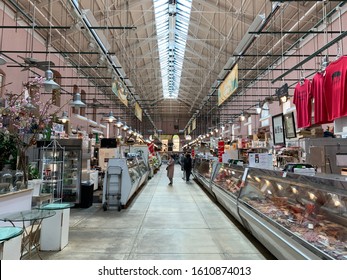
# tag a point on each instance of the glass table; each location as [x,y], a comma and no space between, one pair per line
[31,233]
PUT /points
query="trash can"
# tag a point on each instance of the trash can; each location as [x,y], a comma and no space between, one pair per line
[87,188]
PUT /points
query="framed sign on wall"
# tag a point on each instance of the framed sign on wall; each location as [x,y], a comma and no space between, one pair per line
[289,125]
[278,130]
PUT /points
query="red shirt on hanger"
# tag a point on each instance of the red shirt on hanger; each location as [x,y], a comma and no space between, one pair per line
[335,89]
[317,92]
[302,101]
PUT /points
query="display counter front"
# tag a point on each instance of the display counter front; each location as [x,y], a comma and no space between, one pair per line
[226,185]
[296,216]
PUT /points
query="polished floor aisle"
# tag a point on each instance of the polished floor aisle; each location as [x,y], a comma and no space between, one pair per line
[162,222]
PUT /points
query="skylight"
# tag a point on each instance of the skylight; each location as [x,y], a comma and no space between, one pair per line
[172,21]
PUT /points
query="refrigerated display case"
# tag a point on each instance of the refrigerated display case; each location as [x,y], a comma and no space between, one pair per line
[226,186]
[134,174]
[203,170]
[296,216]
[61,166]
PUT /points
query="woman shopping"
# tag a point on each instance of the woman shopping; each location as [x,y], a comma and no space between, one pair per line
[170,169]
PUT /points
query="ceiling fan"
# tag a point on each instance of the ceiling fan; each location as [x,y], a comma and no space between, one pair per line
[33,62]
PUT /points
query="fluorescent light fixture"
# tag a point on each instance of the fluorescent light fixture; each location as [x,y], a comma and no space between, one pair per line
[82,118]
[92,122]
[247,38]
[91,21]
[2,60]
[102,125]
[97,131]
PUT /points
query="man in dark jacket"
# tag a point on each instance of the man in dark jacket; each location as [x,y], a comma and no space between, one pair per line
[187,165]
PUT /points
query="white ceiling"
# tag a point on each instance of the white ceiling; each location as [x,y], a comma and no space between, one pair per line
[216,29]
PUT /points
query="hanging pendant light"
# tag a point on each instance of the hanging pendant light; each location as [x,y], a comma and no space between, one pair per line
[29,106]
[118,124]
[109,117]
[125,127]
[64,117]
[77,102]
[49,83]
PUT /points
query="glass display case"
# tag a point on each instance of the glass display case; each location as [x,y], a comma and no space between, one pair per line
[295,216]
[134,172]
[143,170]
[71,178]
[226,186]
[52,169]
[203,170]
[60,166]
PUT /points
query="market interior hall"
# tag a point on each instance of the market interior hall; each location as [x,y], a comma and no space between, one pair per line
[248,98]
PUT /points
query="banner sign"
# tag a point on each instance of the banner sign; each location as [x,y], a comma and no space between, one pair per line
[229,85]
[138,111]
[119,91]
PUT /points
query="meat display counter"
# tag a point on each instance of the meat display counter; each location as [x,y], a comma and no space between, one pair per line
[226,186]
[294,216]
[203,171]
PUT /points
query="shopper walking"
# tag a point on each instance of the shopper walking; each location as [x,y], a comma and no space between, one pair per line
[188,166]
[181,162]
[170,168]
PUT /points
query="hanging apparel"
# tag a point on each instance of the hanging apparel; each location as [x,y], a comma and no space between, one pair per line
[335,89]
[317,92]
[302,101]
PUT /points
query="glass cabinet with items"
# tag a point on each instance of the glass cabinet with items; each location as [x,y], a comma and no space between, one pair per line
[52,169]
[60,166]
[71,179]
[296,217]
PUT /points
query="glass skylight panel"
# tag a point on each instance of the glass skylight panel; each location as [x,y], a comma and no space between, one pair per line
[172,36]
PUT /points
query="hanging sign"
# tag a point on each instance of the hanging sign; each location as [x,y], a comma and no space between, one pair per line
[138,111]
[229,85]
[119,91]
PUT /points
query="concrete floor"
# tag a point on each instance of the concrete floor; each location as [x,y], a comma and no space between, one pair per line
[163,222]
